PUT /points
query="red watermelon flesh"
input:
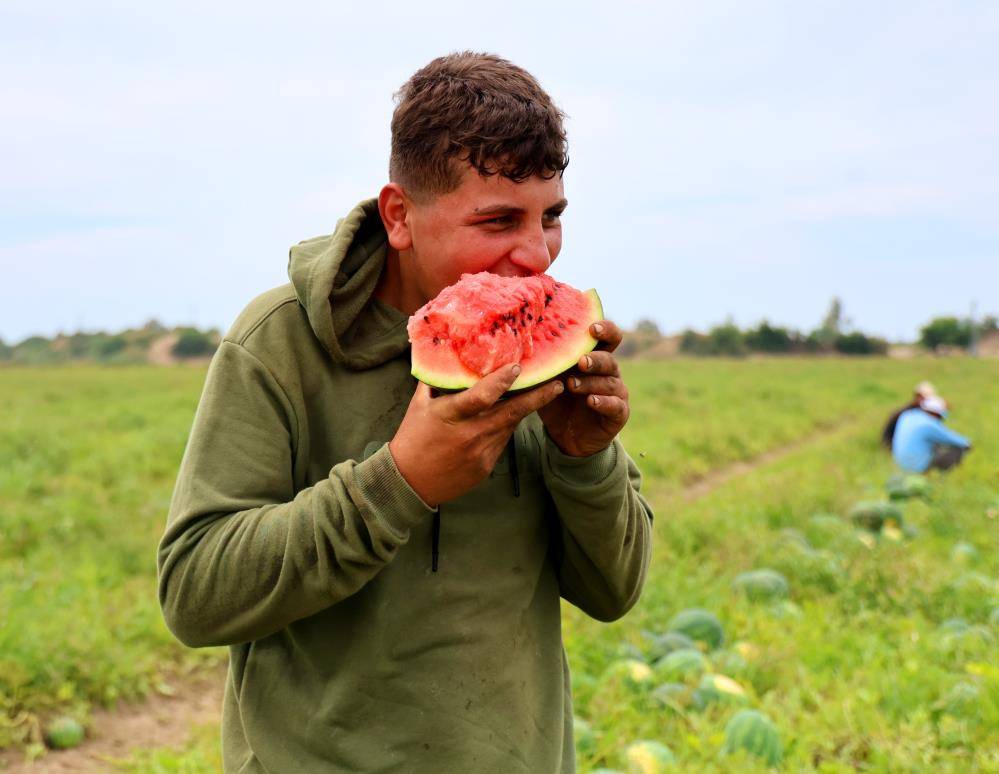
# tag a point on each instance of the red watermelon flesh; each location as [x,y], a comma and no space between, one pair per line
[485,321]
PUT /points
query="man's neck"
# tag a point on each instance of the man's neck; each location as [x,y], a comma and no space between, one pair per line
[395,286]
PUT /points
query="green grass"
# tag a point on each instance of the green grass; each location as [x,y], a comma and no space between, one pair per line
[90,457]
[855,676]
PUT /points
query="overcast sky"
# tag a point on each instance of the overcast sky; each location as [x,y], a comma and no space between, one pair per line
[744,159]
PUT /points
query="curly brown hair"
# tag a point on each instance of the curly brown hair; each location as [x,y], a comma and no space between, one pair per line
[476,108]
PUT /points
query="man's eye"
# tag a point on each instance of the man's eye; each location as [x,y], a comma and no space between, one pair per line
[502,220]
[552,217]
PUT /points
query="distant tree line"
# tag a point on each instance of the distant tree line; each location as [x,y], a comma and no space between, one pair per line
[954,332]
[833,335]
[129,346]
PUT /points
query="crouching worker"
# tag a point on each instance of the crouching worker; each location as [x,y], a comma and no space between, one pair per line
[386,566]
[922,441]
[923,390]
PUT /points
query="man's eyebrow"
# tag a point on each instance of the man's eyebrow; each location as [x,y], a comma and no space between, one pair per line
[510,209]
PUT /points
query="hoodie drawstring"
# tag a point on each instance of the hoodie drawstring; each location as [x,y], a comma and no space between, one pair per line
[512,459]
[434,550]
[511,451]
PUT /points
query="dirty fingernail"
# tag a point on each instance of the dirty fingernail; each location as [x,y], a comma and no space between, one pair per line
[587,362]
[598,328]
[575,382]
[559,387]
[516,369]
[596,400]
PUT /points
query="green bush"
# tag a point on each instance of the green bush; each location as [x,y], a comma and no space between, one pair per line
[945,331]
[766,338]
[193,343]
[858,343]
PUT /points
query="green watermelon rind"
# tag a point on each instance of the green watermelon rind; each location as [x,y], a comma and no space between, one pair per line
[700,625]
[536,372]
[64,733]
[681,665]
[650,756]
[872,515]
[764,584]
[755,733]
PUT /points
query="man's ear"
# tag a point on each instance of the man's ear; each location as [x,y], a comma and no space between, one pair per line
[395,208]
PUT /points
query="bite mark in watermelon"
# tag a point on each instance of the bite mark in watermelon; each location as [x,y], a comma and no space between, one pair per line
[485,321]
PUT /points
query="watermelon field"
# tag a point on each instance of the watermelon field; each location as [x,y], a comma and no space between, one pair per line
[806,609]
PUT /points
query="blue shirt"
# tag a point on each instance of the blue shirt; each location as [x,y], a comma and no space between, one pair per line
[915,436]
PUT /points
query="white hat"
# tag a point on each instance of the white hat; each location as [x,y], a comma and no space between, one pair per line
[934,404]
[925,389]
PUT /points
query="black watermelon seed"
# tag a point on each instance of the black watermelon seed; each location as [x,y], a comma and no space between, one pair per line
[561,325]
[540,318]
[426,319]
[530,316]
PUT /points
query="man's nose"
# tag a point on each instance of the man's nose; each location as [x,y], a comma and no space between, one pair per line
[531,252]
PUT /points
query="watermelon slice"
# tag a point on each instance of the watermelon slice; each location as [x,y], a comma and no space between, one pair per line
[485,321]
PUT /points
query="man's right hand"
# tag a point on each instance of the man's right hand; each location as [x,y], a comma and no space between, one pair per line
[448,444]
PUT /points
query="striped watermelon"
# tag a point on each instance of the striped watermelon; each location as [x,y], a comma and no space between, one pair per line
[647,757]
[719,689]
[762,585]
[700,625]
[755,733]
[681,665]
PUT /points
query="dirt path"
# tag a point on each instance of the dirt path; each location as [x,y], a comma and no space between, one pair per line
[160,721]
[717,478]
[166,721]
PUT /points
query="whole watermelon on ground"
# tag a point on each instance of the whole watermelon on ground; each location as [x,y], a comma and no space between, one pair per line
[903,487]
[485,321]
[63,733]
[755,733]
[872,515]
[762,585]
[964,553]
[676,695]
[719,689]
[586,740]
[649,757]
[960,701]
[631,673]
[664,644]
[700,625]
[681,665]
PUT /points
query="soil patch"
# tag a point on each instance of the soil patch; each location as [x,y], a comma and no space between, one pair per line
[158,721]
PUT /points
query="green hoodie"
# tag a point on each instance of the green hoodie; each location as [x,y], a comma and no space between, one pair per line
[367,632]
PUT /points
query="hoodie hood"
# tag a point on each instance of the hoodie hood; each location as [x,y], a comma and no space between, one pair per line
[335,277]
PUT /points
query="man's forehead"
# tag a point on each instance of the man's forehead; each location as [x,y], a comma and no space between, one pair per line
[508,207]
[492,191]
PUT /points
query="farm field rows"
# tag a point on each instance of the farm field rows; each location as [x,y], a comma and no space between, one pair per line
[861,666]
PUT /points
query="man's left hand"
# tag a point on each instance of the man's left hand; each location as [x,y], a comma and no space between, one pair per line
[594,407]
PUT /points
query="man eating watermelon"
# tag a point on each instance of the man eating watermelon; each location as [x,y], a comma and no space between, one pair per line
[387,565]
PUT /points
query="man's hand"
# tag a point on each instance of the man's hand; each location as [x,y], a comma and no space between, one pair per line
[448,444]
[592,412]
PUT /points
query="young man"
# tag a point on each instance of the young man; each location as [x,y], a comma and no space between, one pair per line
[922,440]
[387,578]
